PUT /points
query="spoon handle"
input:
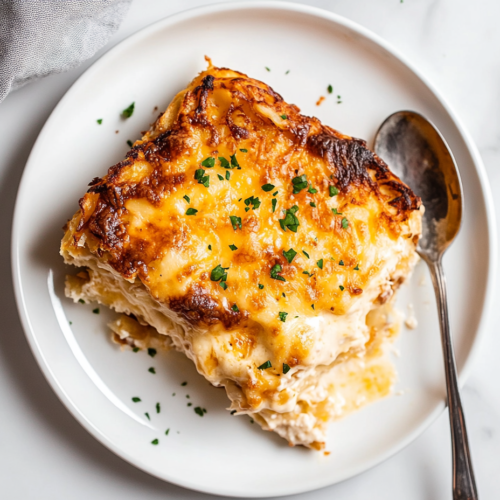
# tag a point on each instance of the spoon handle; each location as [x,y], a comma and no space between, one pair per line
[464,484]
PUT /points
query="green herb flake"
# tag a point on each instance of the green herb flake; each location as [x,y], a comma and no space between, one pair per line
[345,223]
[267,68]
[265,366]
[234,162]
[284,117]
[273,203]
[228,175]
[220,176]
[333,191]
[210,247]
[233,247]
[330,89]
[267,187]
[299,183]
[218,273]
[155,442]
[306,254]
[135,349]
[312,190]
[341,262]
[341,288]
[96,310]
[81,301]
[158,408]
[312,204]
[166,432]
[290,220]
[320,263]
[275,193]
[200,411]
[130,143]
[274,273]
[286,368]
[99,121]
[289,255]
[306,272]
[189,404]
[312,305]
[282,316]
[357,267]
[202,179]
[187,198]
[336,212]
[152,370]
[235,308]
[288,71]
[223,285]
[244,150]
[136,400]
[208,162]
[152,352]
[223,162]
[235,221]
[255,202]
[191,211]
[128,112]
[184,384]
[261,287]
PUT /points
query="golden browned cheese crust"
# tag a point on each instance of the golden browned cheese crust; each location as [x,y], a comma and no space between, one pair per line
[341,218]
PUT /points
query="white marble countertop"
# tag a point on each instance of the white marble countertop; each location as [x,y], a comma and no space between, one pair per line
[46,454]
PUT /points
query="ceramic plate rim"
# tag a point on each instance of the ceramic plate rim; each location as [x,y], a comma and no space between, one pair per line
[337,20]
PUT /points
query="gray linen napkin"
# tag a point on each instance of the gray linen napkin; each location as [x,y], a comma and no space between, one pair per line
[41,37]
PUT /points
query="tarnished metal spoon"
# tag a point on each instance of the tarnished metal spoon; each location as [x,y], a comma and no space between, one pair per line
[417,153]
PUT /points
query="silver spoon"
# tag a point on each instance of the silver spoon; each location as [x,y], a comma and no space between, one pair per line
[418,154]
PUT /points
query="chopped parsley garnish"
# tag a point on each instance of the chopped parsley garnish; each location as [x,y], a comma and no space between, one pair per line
[275,193]
[235,221]
[288,71]
[235,308]
[191,211]
[184,384]
[128,112]
[158,408]
[155,442]
[210,247]
[336,212]
[312,305]
[274,273]
[130,143]
[333,191]
[189,404]
[341,262]
[261,287]
[244,150]
[357,267]
[136,400]
[228,175]
[200,176]
[219,273]
[152,352]
[284,117]
[273,203]
[220,176]
[152,370]
[265,366]
[282,315]
[306,272]
[290,220]
[267,187]
[223,285]
[208,162]
[234,162]
[284,295]
[341,288]
[330,89]
[166,432]
[96,310]
[99,121]
[200,411]
[299,183]
[289,255]
[320,263]
[267,68]
[81,301]
[233,247]
[312,204]
[312,190]
[255,202]
[286,368]
[223,162]
[305,253]
[135,349]
[187,198]
[345,223]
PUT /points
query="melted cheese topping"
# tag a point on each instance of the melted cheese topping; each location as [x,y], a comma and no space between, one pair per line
[146,255]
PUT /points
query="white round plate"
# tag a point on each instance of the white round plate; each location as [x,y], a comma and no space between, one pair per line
[305,49]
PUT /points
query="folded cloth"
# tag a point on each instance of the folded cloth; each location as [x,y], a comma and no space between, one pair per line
[41,37]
